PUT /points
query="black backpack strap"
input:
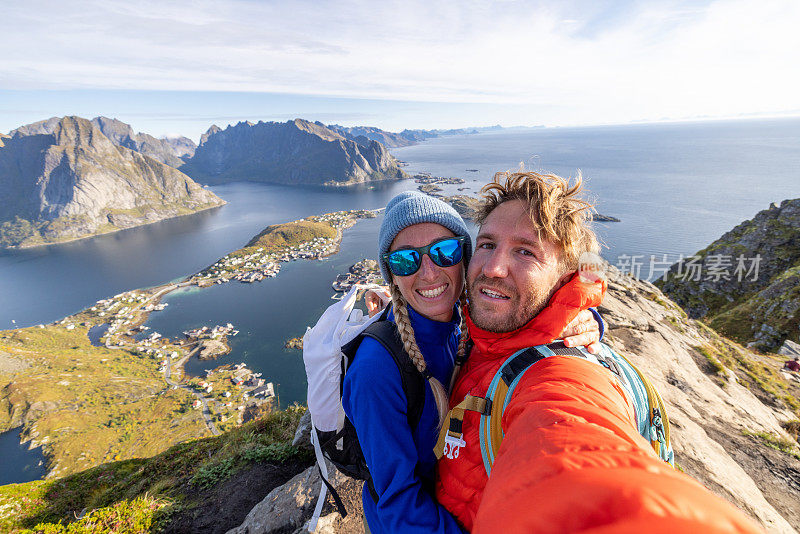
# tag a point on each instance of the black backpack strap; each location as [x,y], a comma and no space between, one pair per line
[385,332]
[336,499]
[413,382]
[531,355]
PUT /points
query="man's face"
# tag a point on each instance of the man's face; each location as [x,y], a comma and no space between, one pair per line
[512,273]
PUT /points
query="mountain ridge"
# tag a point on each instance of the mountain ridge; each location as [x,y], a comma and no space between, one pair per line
[297,152]
[64,180]
[168,151]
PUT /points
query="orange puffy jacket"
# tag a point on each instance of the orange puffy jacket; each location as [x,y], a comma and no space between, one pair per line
[572,459]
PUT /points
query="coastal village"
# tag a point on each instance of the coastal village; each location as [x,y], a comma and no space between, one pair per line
[229,394]
[428,178]
[362,272]
[254,263]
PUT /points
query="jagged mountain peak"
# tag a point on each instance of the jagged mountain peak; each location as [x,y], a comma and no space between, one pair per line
[297,152]
[64,179]
[119,133]
[113,126]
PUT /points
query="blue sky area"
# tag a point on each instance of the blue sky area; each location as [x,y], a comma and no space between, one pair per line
[177,67]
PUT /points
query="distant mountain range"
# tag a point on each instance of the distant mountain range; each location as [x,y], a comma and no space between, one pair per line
[67,178]
[64,179]
[296,152]
[404,138]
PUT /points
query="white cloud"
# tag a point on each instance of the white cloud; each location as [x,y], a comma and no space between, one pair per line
[576,62]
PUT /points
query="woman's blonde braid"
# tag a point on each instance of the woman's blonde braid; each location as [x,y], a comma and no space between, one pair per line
[461,354]
[406,332]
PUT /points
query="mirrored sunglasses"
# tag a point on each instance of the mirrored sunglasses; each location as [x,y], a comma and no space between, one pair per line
[443,252]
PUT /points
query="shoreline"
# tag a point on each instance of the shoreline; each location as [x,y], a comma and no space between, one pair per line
[126,314]
[98,234]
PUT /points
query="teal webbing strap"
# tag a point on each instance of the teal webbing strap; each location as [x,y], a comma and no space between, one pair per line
[487,451]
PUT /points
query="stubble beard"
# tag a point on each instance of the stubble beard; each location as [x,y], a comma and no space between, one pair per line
[519,313]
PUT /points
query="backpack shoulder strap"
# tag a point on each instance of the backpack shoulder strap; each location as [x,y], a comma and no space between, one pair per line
[385,333]
[508,376]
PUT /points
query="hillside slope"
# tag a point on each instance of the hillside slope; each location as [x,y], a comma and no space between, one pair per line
[746,284]
[728,406]
[75,182]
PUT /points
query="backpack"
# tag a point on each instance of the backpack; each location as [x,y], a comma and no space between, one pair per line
[328,351]
[651,416]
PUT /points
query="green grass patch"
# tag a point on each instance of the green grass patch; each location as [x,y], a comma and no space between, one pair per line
[92,404]
[775,442]
[710,356]
[280,236]
[134,517]
[159,483]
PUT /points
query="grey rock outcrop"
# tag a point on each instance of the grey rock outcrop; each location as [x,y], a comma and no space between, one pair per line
[713,415]
[748,285]
[302,436]
[789,348]
[66,180]
[288,508]
[296,152]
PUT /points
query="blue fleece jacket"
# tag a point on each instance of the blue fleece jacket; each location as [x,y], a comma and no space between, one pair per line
[401,461]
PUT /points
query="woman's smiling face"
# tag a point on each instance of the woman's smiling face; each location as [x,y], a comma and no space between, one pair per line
[432,290]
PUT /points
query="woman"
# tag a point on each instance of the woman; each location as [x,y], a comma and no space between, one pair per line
[423,249]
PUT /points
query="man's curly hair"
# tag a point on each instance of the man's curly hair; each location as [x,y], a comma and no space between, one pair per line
[556,208]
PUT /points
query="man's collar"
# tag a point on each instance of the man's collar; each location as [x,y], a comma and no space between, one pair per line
[547,325]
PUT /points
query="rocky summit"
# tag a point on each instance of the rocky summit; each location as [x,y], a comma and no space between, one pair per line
[746,284]
[296,152]
[64,179]
[370,133]
[168,151]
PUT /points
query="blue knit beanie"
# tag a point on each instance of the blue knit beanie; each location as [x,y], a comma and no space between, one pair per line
[412,207]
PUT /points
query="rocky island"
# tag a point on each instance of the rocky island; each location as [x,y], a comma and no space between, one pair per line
[362,272]
[63,179]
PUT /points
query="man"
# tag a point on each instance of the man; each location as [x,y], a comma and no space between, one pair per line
[793,365]
[571,457]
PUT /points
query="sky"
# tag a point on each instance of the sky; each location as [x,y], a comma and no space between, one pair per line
[176,67]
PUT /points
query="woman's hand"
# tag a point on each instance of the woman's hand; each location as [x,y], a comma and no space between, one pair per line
[376,300]
[583,330]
